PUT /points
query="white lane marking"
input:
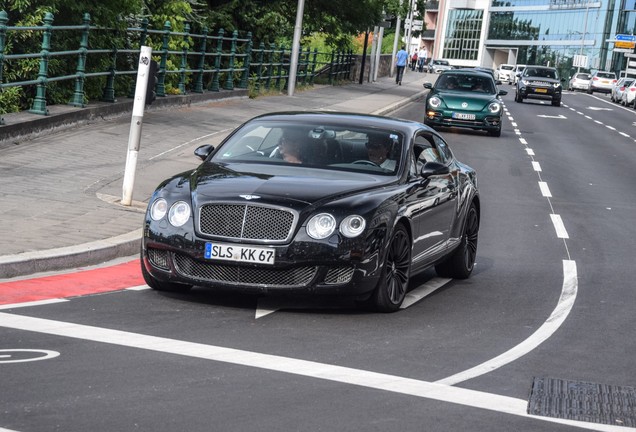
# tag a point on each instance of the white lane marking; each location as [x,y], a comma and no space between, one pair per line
[599,109]
[32,303]
[340,374]
[138,288]
[545,190]
[551,325]
[523,141]
[560,116]
[517,131]
[610,127]
[596,121]
[530,151]
[423,290]
[190,142]
[624,134]
[7,430]
[47,355]
[588,117]
[559,227]
[536,166]
[513,124]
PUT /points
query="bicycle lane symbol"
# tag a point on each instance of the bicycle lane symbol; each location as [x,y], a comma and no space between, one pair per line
[25,355]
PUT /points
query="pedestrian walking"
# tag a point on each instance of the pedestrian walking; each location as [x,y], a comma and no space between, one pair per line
[421,59]
[400,62]
[414,60]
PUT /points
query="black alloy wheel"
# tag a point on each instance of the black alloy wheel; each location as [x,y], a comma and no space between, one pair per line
[461,262]
[396,272]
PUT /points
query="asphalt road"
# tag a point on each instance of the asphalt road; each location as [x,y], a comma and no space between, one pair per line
[551,297]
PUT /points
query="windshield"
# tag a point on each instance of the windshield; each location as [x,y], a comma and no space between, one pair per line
[507,67]
[465,82]
[541,72]
[323,146]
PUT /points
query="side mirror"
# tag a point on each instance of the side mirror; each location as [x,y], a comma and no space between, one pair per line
[204,151]
[502,93]
[433,168]
[428,85]
[498,82]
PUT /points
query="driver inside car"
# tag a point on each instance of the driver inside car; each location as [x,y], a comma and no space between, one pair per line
[379,149]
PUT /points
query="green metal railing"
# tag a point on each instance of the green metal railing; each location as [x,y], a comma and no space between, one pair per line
[203,63]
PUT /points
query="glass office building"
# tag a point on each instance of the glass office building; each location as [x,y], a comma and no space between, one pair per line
[548,32]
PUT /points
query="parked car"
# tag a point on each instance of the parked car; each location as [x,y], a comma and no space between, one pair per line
[337,223]
[539,82]
[465,99]
[438,66]
[580,81]
[505,73]
[616,95]
[602,82]
[518,71]
[628,98]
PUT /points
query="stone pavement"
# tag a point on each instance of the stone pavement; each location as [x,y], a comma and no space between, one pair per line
[60,190]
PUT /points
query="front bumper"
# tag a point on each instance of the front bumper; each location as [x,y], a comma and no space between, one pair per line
[540,92]
[301,268]
[445,119]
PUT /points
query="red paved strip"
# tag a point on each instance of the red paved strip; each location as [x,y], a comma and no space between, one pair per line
[100,280]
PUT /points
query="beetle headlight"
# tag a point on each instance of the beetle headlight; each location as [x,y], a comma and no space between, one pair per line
[494,107]
[352,226]
[158,209]
[321,226]
[179,213]
[434,102]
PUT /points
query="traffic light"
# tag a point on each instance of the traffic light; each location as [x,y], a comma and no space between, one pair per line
[153,79]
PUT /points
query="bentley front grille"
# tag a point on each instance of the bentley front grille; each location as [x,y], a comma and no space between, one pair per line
[257,276]
[158,258]
[247,222]
[339,275]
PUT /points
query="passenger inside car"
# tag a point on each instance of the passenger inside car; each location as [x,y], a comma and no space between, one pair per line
[291,144]
[379,149]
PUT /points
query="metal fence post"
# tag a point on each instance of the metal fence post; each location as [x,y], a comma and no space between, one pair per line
[4,19]
[161,85]
[313,67]
[184,59]
[78,95]
[259,68]
[279,67]
[198,84]
[270,65]
[331,67]
[39,104]
[217,62]
[246,62]
[229,82]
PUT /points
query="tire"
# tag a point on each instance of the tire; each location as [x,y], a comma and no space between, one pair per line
[160,285]
[495,133]
[556,102]
[396,272]
[518,98]
[460,264]
[590,91]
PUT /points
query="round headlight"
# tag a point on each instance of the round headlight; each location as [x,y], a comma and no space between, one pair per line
[179,213]
[556,85]
[352,226]
[321,226]
[434,102]
[158,209]
[494,107]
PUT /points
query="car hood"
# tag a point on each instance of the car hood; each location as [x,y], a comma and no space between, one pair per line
[285,185]
[465,101]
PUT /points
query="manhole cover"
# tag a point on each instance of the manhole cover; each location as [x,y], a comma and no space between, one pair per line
[583,401]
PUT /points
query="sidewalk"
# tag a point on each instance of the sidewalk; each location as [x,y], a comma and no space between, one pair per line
[61,190]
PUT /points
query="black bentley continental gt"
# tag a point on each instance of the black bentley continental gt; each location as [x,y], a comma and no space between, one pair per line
[315,203]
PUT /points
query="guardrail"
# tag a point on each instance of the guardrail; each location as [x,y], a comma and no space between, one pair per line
[200,63]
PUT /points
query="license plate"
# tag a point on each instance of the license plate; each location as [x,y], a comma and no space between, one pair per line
[239,253]
[541,90]
[605,82]
[462,116]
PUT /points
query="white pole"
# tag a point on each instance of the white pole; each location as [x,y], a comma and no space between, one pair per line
[587,10]
[134,138]
[374,47]
[378,51]
[293,66]
[398,24]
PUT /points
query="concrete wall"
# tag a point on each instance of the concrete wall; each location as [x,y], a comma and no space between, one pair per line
[383,70]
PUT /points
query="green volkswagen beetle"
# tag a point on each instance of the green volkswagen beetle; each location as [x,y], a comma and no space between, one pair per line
[466,99]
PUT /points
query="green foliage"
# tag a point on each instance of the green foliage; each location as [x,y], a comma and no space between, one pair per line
[10,99]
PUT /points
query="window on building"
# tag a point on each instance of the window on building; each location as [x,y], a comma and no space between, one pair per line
[463,34]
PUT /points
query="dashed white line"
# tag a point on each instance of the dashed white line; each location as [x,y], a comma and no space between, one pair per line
[545,190]
[530,152]
[536,166]
[559,227]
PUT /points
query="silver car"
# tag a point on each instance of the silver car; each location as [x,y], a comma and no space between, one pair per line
[580,81]
[619,88]
[602,82]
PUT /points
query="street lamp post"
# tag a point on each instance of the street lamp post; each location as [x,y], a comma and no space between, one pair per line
[587,10]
